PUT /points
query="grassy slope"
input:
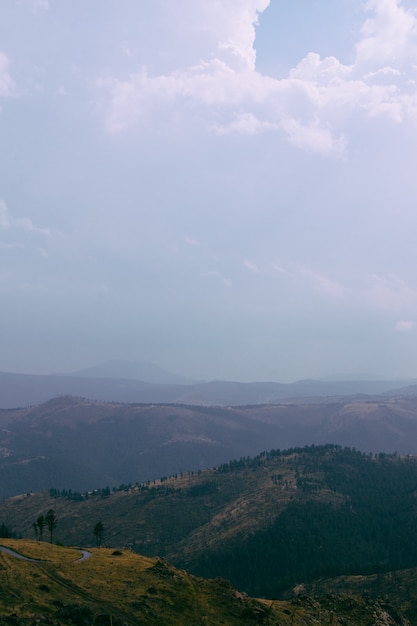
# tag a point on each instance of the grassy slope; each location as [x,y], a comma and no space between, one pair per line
[133,589]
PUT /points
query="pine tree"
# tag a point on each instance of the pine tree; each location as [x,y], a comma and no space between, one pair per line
[98,533]
[41,525]
[51,521]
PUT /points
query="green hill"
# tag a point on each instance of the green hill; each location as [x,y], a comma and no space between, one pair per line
[267,523]
[121,588]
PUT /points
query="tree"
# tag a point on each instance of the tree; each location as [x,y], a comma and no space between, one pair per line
[41,525]
[5,532]
[35,528]
[51,521]
[98,533]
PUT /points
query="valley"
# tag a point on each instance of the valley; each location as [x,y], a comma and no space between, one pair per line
[85,444]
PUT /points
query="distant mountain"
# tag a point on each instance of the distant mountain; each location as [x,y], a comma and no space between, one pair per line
[408,390]
[20,390]
[133,370]
[79,444]
[353,376]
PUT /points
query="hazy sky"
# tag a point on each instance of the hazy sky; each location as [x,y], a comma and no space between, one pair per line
[227,188]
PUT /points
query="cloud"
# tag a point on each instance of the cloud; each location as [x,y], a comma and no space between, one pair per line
[391,293]
[40,5]
[212,273]
[4,215]
[7,85]
[279,269]
[389,36]
[190,241]
[233,28]
[404,326]
[25,223]
[245,124]
[311,107]
[21,223]
[252,267]
[43,253]
[313,137]
[324,284]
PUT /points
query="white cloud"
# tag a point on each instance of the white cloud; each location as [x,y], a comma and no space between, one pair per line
[4,215]
[43,253]
[383,72]
[278,269]
[312,106]
[245,124]
[324,284]
[25,223]
[7,85]
[21,223]
[211,84]
[391,293]
[190,241]
[212,273]
[404,326]
[40,5]
[252,267]
[389,36]
[313,137]
[238,36]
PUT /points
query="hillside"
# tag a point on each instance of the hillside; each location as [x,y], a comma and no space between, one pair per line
[120,588]
[266,523]
[398,586]
[86,444]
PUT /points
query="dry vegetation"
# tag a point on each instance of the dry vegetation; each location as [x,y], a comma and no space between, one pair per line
[119,587]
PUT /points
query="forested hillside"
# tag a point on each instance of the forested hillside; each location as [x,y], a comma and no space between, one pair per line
[357,516]
[85,444]
[266,523]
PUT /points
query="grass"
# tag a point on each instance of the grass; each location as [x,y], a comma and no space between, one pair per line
[133,589]
[37,550]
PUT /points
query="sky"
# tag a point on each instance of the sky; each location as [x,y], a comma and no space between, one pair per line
[227,189]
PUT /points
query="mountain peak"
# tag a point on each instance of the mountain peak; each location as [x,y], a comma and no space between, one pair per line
[133,370]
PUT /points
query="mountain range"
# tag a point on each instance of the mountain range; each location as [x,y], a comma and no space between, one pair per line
[81,444]
[133,370]
[139,382]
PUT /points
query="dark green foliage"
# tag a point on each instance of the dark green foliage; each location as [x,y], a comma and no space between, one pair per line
[76,614]
[51,522]
[98,533]
[40,522]
[372,529]
[202,489]
[6,532]
[68,494]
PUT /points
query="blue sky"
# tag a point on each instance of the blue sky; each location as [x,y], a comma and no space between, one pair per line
[227,189]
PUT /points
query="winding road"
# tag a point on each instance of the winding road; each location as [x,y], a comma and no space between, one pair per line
[85,554]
